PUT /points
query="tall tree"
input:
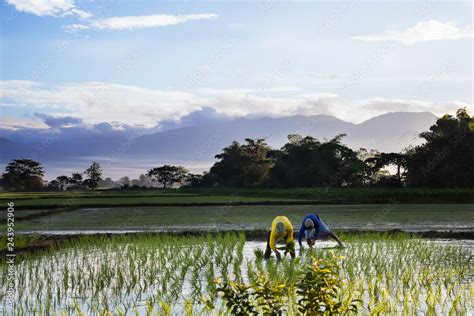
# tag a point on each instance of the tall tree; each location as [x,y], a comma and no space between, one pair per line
[446,159]
[307,162]
[94,175]
[167,175]
[23,175]
[245,165]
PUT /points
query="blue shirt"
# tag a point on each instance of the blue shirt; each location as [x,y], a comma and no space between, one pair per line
[316,220]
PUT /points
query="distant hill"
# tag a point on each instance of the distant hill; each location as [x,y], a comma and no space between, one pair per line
[9,148]
[208,140]
[391,131]
[387,132]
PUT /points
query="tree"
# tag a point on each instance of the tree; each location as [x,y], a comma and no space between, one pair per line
[62,182]
[23,175]
[446,159]
[245,165]
[94,175]
[307,162]
[168,175]
[382,160]
[107,183]
[75,180]
[257,163]
[124,182]
[54,185]
[193,180]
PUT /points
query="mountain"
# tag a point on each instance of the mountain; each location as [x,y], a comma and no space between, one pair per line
[9,148]
[195,146]
[390,132]
[387,132]
[205,141]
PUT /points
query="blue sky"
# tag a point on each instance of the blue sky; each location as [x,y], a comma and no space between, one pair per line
[143,62]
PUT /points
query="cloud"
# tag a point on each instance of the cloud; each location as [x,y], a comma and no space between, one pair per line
[48,7]
[97,102]
[11,123]
[422,32]
[203,116]
[61,121]
[141,21]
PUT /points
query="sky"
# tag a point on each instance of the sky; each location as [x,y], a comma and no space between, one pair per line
[151,63]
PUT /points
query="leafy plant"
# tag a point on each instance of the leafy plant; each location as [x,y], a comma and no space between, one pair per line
[319,286]
[237,297]
[317,289]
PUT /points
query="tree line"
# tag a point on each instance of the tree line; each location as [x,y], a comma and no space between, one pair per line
[445,159]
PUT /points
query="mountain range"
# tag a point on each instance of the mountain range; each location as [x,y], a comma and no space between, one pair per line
[195,146]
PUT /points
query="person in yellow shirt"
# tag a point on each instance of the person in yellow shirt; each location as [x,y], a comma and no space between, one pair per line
[281,231]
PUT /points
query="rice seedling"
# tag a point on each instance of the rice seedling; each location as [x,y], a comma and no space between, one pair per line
[150,274]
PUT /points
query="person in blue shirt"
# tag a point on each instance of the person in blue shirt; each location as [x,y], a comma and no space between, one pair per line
[314,228]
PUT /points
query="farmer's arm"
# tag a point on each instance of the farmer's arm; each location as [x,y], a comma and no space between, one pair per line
[300,235]
[333,236]
[290,241]
[272,243]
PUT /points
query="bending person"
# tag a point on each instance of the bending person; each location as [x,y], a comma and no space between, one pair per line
[314,228]
[281,231]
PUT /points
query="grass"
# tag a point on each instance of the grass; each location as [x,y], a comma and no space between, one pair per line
[369,217]
[351,195]
[92,201]
[160,274]
[207,196]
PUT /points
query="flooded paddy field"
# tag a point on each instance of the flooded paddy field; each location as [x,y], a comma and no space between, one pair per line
[161,274]
[405,217]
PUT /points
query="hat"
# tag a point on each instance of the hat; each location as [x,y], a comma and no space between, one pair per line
[308,223]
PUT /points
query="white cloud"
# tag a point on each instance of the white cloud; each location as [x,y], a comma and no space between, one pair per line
[48,7]
[422,32]
[15,123]
[96,102]
[141,21]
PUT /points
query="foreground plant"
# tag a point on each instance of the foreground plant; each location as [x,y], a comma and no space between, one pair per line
[316,290]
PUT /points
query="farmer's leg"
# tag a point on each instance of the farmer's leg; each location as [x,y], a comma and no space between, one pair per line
[268,251]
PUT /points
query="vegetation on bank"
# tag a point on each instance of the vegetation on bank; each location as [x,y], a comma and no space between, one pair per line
[234,196]
[349,195]
[375,274]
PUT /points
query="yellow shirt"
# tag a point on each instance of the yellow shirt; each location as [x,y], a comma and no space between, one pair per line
[287,236]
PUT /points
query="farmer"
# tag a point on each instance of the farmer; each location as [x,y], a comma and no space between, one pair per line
[314,228]
[281,230]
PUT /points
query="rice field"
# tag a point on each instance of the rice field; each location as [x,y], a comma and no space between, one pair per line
[151,274]
[407,217]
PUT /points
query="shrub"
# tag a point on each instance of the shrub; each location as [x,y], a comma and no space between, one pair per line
[316,291]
